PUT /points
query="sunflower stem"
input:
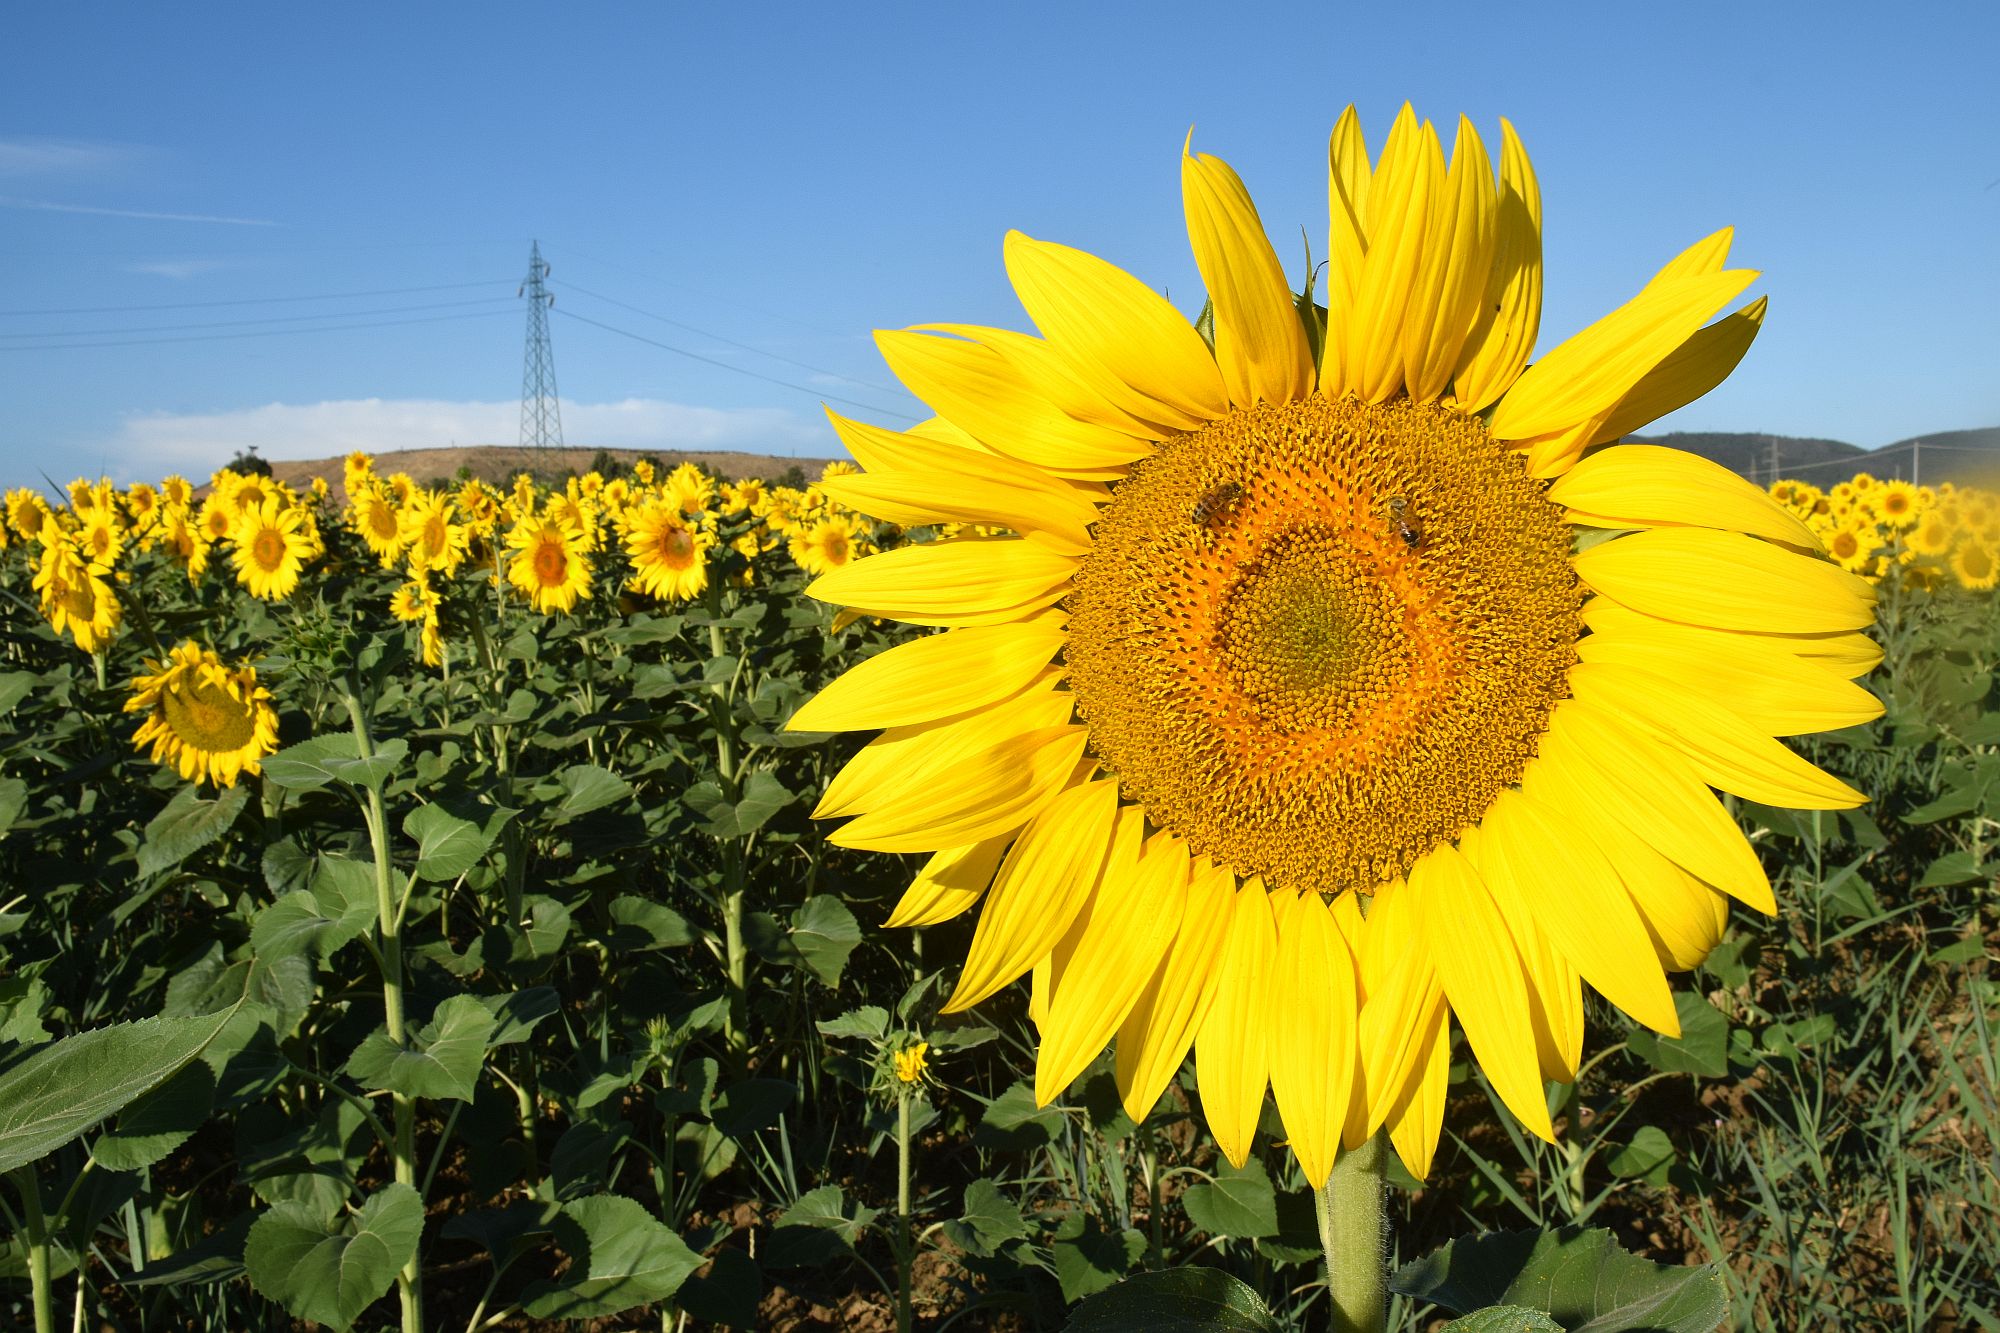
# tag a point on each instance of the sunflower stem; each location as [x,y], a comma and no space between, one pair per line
[35,1232]
[905,1260]
[1350,1213]
[389,948]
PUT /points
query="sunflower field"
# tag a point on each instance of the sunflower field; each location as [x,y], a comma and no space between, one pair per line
[437,863]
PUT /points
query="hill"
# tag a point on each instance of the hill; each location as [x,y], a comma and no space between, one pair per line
[499,463]
[1967,457]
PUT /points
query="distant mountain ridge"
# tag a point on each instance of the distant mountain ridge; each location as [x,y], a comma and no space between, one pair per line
[1964,457]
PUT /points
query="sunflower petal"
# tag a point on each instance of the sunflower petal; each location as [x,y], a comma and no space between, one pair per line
[950,883]
[1457,261]
[1001,792]
[937,676]
[1130,925]
[1048,875]
[1417,1118]
[1689,371]
[1511,313]
[1231,1051]
[1058,522]
[1470,942]
[1651,485]
[1347,184]
[1587,374]
[1123,338]
[1726,580]
[965,581]
[1406,179]
[1555,991]
[1260,345]
[1156,1035]
[1705,256]
[1313,1052]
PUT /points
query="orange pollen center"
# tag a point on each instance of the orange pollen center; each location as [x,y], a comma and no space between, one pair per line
[551,563]
[1317,638]
[268,549]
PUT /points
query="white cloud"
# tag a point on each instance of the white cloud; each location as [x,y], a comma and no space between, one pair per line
[45,157]
[178,269]
[152,444]
[50,206]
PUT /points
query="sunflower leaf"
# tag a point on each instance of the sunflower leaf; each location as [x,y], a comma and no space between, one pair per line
[442,1060]
[620,1257]
[188,824]
[447,846]
[1179,1300]
[1580,1278]
[331,1272]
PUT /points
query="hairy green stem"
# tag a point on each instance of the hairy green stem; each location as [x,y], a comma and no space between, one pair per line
[389,947]
[1350,1213]
[905,1258]
[35,1232]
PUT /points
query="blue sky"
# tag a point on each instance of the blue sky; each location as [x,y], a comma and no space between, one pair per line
[785,178]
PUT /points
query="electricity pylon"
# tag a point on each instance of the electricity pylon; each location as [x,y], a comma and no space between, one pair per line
[541,411]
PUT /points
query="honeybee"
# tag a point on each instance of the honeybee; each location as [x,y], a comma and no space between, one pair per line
[1399,514]
[1215,504]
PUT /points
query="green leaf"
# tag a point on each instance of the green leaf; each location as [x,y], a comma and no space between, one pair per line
[1236,1203]
[504,1233]
[1013,1122]
[620,1257]
[870,1022]
[442,1060]
[1088,1258]
[1648,1154]
[751,1104]
[582,788]
[1504,1319]
[1179,1300]
[762,796]
[330,1273]
[187,825]
[1580,1278]
[16,686]
[158,1122]
[728,1293]
[63,1089]
[819,1227]
[1702,1049]
[515,1014]
[1951,870]
[13,799]
[217,1257]
[825,933]
[447,846]
[639,923]
[994,1218]
[337,909]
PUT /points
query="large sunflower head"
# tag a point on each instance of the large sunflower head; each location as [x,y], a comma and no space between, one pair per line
[272,543]
[669,555]
[552,564]
[26,512]
[208,720]
[1332,671]
[76,596]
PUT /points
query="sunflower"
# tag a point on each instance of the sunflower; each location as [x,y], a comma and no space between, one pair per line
[100,537]
[378,522]
[689,489]
[216,519]
[272,542]
[1895,503]
[1933,533]
[669,556]
[1853,545]
[177,492]
[552,569]
[210,721]
[26,512]
[1294,716]
[430,536]
[76,596]
[1975,566]
[829,544]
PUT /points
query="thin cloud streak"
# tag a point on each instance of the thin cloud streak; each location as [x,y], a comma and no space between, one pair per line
[177,269]
[47,157]
[50,206]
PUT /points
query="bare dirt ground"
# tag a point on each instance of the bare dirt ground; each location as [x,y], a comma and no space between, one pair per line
[499,463]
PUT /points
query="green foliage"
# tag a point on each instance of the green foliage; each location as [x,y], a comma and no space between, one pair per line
[1180,1300]
[331,1272]
[1580,1278]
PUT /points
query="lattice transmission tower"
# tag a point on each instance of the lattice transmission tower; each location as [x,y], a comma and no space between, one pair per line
[541,411]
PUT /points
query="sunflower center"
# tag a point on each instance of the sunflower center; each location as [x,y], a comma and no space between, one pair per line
[207,717]
[268,549]
[1317,638]
[551,564]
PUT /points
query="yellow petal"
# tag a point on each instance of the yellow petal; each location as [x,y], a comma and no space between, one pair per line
[1591,371]
[1347,242]
[1402,989]
[1849,654]
[913,758]
[1132,920]
[1418,1117]
[950,883]
[1156,1035]
[1409,175]
[1231,1050]
[1313,1050]
[1055,377]
[1458,259]
[1058,522]
[1573,895]
[1474,951]
[1260,346]
[975,387]
[1006,788]
[1728,581]
[1705,256]
[937,676]
[1510,313]
[1728,752]
[965,581]
[1595,758]
[1126,340]
[1753,675]
[1555,990]
[1689,371]
[1649,485]
[1684,917]
[1048,874]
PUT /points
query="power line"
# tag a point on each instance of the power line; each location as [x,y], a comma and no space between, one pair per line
[713,296]
[802,365]
[251,300]
[274,319]
[258,333]
[724,365]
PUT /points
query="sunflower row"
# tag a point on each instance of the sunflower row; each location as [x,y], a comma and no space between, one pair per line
[1923,534]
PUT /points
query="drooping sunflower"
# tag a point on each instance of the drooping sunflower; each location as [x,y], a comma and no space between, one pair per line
[77,598]
[669,555]
[208,720]
[271,544]
[552,568]
[1338,674]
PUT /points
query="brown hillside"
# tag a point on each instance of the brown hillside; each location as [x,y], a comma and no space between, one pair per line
[499,463]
